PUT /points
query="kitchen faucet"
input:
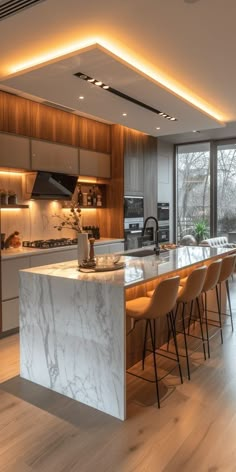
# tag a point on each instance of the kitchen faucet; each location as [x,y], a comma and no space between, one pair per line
[157,248]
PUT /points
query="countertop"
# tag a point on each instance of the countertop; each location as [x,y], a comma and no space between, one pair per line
[137,269]
[25,251]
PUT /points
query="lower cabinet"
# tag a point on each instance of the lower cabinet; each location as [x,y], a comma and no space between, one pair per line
[10,314]
[53,258]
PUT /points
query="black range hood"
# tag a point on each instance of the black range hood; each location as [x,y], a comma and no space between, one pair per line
[43,185]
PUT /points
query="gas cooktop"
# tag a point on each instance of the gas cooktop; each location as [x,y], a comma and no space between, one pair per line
[47,243]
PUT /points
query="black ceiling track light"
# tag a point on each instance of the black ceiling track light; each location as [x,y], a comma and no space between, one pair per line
[11,7]
[106,87]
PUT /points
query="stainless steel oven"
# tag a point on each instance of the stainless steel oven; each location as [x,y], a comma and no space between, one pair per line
[163,213]
[164,234]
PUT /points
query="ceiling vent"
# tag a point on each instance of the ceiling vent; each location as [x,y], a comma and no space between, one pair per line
[59,107]
[11,7]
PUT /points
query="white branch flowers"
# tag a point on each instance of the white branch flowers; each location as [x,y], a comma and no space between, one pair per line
[72,221]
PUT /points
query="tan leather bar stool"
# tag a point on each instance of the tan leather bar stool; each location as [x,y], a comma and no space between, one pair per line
[188,293]
[211,280]
[150,309]
[227,269]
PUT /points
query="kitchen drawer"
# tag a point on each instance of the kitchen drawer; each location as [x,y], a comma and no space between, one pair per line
[10,314]
[10,276]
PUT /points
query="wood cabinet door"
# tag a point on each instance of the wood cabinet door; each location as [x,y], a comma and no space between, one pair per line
[94,164]
[54,157]
[14,151]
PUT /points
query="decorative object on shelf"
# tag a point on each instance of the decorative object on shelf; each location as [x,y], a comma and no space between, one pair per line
[80,196]
[2,240]
[3,196]
[13,240]
[12,200]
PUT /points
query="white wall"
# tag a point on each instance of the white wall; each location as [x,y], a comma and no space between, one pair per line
[165,169]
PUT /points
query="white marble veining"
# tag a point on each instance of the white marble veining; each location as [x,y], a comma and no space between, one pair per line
[72,339]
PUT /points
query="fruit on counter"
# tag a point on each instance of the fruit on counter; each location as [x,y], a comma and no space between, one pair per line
[13,240]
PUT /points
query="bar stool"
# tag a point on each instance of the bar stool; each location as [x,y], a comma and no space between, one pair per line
[211,281]
[227,269]
[150,309]
[188,293]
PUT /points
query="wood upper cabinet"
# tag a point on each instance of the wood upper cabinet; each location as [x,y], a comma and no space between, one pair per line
[94,135]
[14,114]
[133,163]
[94,164]
[14,151]
[54,157]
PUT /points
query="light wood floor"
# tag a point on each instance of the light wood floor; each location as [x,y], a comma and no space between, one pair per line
[194,430]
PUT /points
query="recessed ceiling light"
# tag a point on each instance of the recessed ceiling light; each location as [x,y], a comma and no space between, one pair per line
[98,82]
[124,114]
[106,87]
[164,115]
[194,131]
[173,119]
[161,113]
[83,76]
[91,80]
[158,127]
[81,97]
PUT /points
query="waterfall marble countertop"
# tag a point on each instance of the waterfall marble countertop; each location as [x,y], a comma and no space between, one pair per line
[26,251]
[73,325]
[137,270]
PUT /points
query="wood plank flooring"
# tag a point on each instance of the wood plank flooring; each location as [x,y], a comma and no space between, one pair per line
[194,431]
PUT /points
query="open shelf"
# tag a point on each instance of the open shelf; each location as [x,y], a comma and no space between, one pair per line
[14,206]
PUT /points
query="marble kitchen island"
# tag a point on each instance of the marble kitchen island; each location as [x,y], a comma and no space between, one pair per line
[73,324]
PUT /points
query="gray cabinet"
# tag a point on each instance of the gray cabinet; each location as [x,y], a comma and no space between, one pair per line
[14,151]
[10,291]
[94,164]
[54,157]
[53,258]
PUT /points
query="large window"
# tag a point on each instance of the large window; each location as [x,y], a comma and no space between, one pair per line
[226,190]
[193,189]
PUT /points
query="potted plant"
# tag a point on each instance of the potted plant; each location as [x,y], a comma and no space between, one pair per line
[200,231]
[3,196]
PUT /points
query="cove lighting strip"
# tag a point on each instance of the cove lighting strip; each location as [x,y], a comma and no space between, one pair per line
[123,56]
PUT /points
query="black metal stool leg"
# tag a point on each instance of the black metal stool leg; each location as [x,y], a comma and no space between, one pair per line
[153,339]
[144,345]
[172,321]
[185,341]
[230,309]
[190,316]
[207,330]
[219,305]
[200,322]
[218,299]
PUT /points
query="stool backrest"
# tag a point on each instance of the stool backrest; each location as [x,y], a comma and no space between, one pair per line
[193,286]
[212,275]
[164,298]
[227,267]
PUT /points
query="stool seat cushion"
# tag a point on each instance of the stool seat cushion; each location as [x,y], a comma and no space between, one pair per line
[137,307]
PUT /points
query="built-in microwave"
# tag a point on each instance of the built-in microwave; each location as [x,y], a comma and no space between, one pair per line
[133,207]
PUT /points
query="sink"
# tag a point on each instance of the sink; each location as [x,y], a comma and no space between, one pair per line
[140,253]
